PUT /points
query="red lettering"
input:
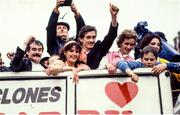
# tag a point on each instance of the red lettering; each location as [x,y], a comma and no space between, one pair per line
[111,112]
[89,112]
[49,113]
[22,113]
[107,112]
[83,112]
[41,113]
[127,112]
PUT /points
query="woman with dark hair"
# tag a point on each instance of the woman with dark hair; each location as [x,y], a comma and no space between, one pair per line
[151,39]
[68,61]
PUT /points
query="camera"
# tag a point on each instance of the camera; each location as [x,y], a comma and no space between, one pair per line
[67,3]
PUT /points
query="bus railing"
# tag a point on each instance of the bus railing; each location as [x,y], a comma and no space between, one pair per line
[97,92]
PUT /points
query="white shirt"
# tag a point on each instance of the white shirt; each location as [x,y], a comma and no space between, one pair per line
[36,67]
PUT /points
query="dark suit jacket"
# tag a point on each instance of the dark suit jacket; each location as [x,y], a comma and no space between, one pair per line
[19,62]
[101,48]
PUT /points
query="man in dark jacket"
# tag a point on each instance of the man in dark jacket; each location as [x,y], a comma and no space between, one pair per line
[96,50]
[57,32]
[28,56]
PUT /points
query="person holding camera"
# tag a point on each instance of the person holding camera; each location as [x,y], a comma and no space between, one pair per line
[57,32]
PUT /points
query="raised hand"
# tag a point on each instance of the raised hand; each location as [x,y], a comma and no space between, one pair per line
[114,11]
[29,40]
[59,3]
[74,10]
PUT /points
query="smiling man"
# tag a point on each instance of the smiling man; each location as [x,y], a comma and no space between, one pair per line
[28,56]
[96,50]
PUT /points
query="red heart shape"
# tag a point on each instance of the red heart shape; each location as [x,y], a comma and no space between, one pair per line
[121,94]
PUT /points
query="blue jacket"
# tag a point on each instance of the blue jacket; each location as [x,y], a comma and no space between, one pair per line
[167,51]
[174,66]
[123,65]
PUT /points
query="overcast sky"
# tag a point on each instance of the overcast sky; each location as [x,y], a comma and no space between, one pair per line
[20,18]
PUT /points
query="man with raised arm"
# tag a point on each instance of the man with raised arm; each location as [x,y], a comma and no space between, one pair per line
[27,57]
[96,50]
[57,32]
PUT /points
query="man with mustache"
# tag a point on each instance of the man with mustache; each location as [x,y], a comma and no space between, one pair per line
[28,56]
[96,50]
[57,32]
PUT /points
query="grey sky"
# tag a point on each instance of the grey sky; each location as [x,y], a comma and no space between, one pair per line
[20,18]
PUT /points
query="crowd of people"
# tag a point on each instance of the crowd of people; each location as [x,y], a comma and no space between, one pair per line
[85,53]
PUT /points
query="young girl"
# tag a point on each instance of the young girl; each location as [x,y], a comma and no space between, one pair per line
[148,59]
[69,61]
